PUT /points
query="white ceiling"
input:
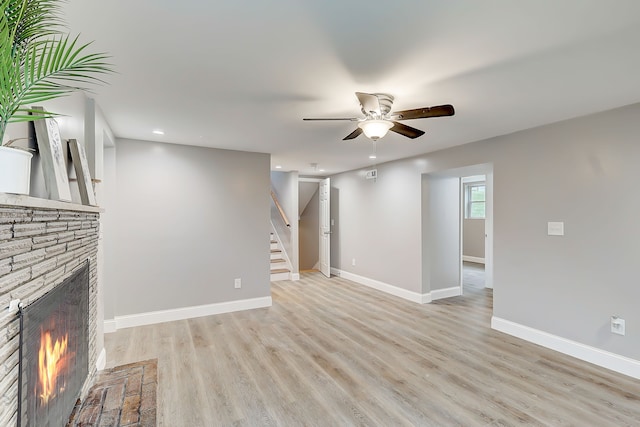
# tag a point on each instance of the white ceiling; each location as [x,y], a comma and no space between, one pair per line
[241,75]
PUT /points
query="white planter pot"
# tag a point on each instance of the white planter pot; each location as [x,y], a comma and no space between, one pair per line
[15,170]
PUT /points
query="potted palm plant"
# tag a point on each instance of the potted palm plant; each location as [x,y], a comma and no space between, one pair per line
[38,62]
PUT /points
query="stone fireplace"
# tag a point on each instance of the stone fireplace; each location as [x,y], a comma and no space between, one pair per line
[42,244]
[54,352]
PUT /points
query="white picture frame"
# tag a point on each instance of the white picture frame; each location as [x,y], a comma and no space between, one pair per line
[52,155]
[81,166]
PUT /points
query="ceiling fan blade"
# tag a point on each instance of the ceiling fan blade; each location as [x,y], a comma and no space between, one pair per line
[407,131]
[353,134]
[370,103]
[351,119]
[423,113]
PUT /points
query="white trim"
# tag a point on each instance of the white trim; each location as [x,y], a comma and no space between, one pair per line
[473,179]
[437,294]
[475,259]
[102,360]
[295,276]
[277,277]
[384,287]
[603,358]
[110,326]
[306,179]
[153,317]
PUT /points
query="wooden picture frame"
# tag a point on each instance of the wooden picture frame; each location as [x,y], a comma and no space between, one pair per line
[52,155]
[81,166]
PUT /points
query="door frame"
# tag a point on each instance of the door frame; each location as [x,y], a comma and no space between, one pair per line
[324,228]
[488,228]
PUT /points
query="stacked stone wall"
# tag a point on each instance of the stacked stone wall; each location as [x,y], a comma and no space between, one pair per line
[39,249]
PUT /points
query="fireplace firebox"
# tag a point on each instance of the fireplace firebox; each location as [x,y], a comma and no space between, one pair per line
[54,353]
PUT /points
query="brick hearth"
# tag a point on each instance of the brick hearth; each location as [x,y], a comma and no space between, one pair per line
[124,396]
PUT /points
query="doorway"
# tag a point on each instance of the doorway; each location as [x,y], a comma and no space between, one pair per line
[443,217]
[472,232]
[309,223]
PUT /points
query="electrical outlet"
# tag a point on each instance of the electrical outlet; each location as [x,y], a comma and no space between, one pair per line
[238,283]
[353,261]
[617,325]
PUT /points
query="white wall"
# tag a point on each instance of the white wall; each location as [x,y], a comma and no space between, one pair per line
[187,222]
[582,171]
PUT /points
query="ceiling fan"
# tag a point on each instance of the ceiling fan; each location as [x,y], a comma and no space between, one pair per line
[379,119]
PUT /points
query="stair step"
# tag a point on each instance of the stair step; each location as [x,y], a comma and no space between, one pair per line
[279,270]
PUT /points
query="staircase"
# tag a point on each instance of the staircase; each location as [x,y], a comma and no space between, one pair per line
[279,266]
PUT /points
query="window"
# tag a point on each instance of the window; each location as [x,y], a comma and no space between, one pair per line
[474,194]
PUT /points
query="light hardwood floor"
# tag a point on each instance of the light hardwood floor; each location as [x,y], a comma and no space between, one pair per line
[334,353]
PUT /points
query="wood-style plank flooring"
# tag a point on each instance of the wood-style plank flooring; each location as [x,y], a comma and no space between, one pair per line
[333,353]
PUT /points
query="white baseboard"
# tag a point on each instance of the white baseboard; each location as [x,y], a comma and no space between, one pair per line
[102,360]
[605,359]
[475,259]
[183,313]
[110,326]
[384,287]
[437,294]
[295,276]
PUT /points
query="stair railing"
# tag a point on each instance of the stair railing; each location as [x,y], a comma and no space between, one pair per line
[280,210]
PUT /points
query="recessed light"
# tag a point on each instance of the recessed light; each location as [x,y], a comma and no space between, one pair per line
[373,156]
[278,167]
[321,170]
[158,132]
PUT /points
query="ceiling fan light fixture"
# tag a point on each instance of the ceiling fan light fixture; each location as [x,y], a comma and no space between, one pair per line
[375,129]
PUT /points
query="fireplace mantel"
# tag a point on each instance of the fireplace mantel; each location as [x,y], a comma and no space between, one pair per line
[18,200]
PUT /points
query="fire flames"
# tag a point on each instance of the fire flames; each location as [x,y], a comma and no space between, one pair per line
[51,363]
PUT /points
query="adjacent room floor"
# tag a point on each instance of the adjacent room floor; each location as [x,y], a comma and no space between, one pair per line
[331,352]
[473,276]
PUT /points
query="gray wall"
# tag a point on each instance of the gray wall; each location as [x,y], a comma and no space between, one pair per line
[473,237]
[109,226]
[441,232]
[308,232]
[187,221]
[377,223]
[582,171]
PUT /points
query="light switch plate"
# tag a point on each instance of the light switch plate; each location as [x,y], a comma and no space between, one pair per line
[555,228]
